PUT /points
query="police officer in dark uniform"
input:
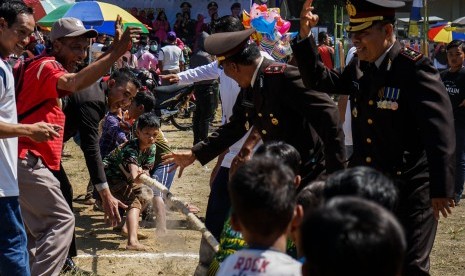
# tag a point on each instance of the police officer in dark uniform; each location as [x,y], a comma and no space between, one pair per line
[275,102]
[402,121]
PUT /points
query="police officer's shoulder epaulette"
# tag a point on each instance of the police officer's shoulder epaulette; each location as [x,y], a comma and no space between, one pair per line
[275,68]
[411,54]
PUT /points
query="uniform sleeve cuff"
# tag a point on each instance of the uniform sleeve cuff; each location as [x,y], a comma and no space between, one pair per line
[101,186]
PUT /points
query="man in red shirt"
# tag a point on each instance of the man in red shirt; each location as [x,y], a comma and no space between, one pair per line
[46,214]
[325,51]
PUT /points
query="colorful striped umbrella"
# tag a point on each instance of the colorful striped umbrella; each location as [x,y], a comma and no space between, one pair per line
[44,7]
[445,33]
[96,15]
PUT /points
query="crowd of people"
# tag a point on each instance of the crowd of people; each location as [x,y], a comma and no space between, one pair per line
[282,200]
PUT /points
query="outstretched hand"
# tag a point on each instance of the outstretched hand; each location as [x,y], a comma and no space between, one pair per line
[123,40]
[110,206]
[172,78]
[308,19]
[442,206]
[179,159]
[118,29]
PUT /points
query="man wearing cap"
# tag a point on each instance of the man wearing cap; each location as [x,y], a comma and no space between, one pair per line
[170,57]
[275,102]
[212,8]
[46,214]
[402,120]
[185,7]
[236,10]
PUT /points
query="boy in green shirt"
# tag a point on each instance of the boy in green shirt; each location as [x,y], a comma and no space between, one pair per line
[123,167]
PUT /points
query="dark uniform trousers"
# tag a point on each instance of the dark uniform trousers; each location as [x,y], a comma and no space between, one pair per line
[282,109]
[402,125]
[205,101]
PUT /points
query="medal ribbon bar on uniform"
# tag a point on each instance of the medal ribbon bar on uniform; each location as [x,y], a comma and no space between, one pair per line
[389,99]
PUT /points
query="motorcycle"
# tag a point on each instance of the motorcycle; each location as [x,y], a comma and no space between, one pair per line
[174,103]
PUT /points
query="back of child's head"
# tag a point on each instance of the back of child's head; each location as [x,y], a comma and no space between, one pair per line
[364,182]
[263,196]
[282,151]
[311,197]
[145,98]
[148,120]
[352,236]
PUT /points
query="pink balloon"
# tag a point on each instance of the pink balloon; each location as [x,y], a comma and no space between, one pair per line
[285,27]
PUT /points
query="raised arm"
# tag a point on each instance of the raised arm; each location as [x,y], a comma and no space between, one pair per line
[77,81]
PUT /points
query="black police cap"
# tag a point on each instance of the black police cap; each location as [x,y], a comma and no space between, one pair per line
[235,5]
[225,45]
[184,4]
[363,13]
[212,4]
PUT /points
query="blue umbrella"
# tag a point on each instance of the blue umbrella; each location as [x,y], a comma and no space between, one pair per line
[96,15]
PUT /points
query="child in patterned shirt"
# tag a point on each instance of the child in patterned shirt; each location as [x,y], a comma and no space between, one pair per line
[123,167]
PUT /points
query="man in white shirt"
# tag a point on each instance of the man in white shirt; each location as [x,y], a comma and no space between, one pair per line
[170,57]
[14,32]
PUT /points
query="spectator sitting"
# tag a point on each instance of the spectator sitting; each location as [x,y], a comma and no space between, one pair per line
[262,188]
[123,167]
[170,57]
[352,236]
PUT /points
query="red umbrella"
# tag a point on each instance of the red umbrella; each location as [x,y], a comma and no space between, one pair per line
[445,33]
[43,7]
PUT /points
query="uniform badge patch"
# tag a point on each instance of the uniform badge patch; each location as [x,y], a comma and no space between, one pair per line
[275,69]
[411,54]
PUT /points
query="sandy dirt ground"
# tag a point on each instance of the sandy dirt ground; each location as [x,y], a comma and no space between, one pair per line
[101,250]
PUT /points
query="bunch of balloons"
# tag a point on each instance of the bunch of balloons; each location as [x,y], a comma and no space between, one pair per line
[273,34]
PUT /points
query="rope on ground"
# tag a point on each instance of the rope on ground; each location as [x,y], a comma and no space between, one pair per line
[181,206]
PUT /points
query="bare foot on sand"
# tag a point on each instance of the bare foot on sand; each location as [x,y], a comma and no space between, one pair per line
[161,232]
[136,247]
[140,236]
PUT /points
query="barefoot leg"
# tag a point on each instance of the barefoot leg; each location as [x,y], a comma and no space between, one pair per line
[160,212]
[132,221]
